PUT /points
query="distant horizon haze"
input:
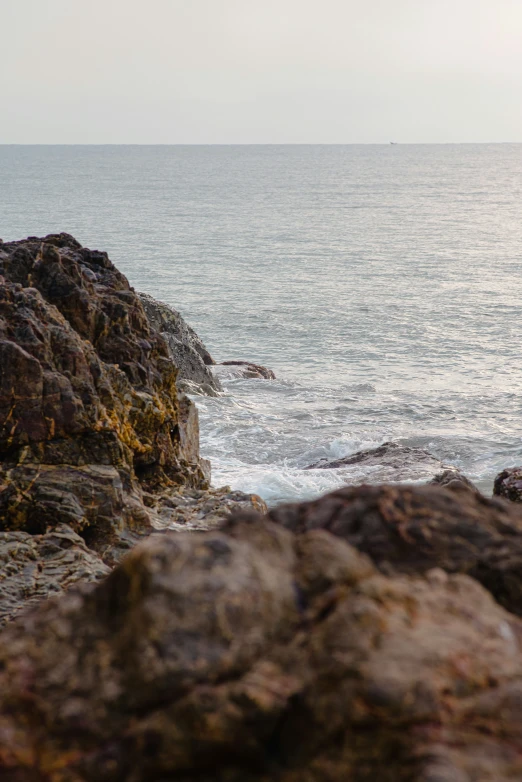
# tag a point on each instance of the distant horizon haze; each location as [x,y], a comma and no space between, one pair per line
[231,72]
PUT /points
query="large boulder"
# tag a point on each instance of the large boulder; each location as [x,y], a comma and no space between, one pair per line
[256,655]
[185,347]
[411,529]
[90,415]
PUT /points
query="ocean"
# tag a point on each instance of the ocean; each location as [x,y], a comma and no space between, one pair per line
[382,284]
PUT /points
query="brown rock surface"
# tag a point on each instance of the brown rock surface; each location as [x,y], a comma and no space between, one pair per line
[508,484]
[90,415]
[414,528]
[254,654]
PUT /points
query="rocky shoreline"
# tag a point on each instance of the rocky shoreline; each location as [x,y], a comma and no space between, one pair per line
[157,628]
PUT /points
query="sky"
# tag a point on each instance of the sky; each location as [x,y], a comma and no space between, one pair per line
[260,71]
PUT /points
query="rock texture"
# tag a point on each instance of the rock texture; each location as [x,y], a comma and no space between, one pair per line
[508,484]
[33,567]
[389,462]
[185,347]
[254,654]
[411,529]
[90,414]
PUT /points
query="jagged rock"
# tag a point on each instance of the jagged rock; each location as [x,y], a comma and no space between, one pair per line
[244,369]
[186,349]
[508,484]
[89,412]
[33,567]
[389,462]
[91,422]
[414,528]
[254,655]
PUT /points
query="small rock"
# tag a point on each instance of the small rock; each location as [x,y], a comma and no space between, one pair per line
[248,370]
[508,484]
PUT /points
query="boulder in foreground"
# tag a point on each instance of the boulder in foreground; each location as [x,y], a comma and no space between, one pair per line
[257,655]
[411,529]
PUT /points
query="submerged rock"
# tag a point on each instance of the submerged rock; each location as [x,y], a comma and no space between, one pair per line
[186,349]
[256,655]
[389,462]
[414,528]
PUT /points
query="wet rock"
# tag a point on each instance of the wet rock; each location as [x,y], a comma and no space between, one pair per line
[411,529]
[257,655]
[389,462]
[508,484]
[244,369]
[186,348]
[454,480]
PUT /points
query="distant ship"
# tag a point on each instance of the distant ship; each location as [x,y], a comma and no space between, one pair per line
[393,142]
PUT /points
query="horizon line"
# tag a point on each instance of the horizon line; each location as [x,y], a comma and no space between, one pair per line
[251,144]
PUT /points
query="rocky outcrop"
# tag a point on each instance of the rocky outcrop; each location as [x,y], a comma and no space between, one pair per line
[188,352]
[410,529]
[90,415]
[257,655]
[390,462]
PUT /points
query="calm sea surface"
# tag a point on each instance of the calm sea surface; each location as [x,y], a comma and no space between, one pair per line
[382,284]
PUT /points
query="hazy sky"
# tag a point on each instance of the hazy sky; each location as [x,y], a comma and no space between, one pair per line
[260,71]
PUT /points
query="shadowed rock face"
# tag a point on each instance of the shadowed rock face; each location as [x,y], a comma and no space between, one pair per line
[89,411]
[255,654]
[508,484]
[415,528]
[185,347]
[85,379]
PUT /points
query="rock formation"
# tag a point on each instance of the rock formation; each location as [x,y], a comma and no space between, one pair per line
[347,638]
[256,655]
[90,415]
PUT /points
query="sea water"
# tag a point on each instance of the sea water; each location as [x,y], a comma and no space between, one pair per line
[382,284]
